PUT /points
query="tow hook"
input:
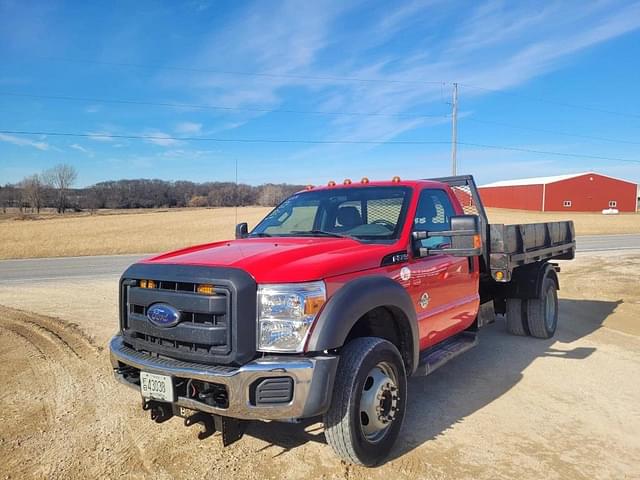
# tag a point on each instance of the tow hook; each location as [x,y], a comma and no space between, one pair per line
[160,412]
[232,429]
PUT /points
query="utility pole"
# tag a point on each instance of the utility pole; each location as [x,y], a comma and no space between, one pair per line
[454,130]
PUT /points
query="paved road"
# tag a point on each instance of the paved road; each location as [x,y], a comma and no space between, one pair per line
[601,243]
[43,269]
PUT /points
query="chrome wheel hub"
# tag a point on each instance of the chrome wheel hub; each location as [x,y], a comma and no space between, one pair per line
[379,402]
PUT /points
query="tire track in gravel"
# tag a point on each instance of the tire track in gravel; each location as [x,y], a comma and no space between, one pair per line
[94,427]
[56,370]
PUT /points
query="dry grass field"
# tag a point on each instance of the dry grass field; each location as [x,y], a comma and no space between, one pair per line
[131,232]
[144,231]
[585,223]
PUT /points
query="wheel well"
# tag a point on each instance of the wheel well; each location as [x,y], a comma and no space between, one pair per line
[389,323]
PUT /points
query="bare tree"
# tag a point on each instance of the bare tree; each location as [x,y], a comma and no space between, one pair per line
[10,197]
[61,178]
[271,195]
[33,191]
[198,201]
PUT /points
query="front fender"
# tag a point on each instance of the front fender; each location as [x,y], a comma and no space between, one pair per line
[354,300]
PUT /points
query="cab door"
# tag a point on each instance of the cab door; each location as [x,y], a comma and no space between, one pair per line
[442,287]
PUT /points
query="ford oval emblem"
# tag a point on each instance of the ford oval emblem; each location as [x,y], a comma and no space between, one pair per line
[163,315]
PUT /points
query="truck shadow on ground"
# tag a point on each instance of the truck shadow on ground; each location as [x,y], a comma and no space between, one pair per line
[467,383]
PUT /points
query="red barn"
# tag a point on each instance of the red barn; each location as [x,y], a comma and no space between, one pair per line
[580,192]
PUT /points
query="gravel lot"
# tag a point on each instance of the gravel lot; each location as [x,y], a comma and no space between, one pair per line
[511,408]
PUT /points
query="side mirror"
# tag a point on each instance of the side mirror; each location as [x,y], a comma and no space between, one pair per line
[465,238]
[242,230]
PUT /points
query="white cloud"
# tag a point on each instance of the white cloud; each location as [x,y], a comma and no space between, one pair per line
[188,128]
[23,142]
[101,136]
[82,149]
[276,38]
[495,44]
[161,139]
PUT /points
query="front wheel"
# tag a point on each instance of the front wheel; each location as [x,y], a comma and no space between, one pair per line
[368,402]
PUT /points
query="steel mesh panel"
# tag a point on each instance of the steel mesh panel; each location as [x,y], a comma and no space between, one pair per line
[464,196]
[440,215]
[387,209]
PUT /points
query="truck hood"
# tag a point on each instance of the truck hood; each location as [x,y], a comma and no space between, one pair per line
[284,259]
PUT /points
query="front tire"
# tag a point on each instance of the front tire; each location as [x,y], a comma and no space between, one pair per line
[368,402]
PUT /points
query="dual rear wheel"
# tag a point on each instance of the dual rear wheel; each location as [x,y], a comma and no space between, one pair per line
[537,317]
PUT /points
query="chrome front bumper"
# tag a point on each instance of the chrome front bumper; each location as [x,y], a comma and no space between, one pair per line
[312,381]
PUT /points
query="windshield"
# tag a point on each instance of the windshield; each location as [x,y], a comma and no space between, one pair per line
[373,214]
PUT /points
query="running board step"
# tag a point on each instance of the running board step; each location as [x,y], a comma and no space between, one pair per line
[436,356]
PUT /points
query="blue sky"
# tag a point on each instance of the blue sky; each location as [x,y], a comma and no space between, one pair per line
[551,75]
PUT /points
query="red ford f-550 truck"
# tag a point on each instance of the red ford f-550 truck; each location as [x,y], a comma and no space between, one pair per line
[328,305]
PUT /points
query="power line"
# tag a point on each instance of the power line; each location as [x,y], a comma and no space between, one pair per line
[312,112]
[323,78]
[547,152]
[554,132]
[552,102]
[222,140]
[334,78]
[322,142]
[218,107]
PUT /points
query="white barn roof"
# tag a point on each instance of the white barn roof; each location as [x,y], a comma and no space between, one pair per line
[544,180]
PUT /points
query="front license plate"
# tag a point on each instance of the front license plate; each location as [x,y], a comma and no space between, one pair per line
[157,387]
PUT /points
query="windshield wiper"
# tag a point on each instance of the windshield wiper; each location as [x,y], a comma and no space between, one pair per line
[319,233]
[261,234]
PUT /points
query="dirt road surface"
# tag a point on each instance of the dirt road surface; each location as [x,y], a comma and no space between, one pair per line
[510,408]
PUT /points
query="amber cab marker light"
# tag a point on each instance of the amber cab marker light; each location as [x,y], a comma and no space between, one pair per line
[364,180]
[347,181]
[396,179]
[331,183]
[205,289]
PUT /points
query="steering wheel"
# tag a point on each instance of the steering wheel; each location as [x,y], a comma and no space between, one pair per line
[384,223]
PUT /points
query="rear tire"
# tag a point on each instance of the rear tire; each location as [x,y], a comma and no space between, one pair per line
[516,317]
[542,313]
[368,401]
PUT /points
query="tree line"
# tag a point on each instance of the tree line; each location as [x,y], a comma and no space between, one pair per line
[53,188]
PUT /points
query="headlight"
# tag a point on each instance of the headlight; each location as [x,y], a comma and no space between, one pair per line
[285,314]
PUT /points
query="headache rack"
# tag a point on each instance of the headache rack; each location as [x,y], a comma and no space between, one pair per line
[507,247]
